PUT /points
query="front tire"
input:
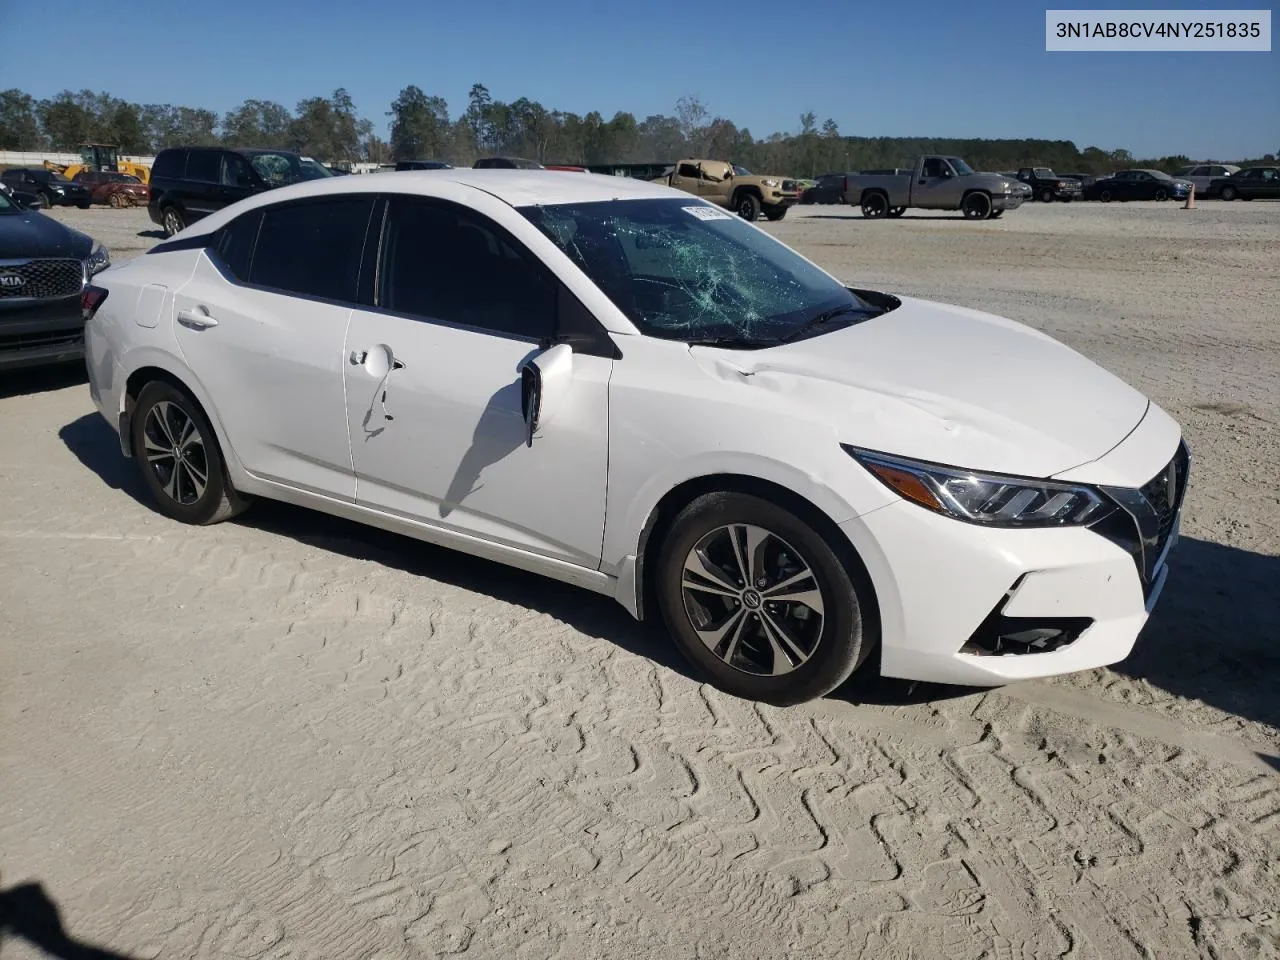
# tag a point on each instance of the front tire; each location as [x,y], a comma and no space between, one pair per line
[747,206]
[1161,194]
[896,212]
[1105,196]
[1228,192]
[1046,195]
[776,215]
[977,206]
[759,601]
[177,451]
[116,200]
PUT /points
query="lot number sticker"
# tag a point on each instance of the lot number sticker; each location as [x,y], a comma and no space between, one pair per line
[707,213]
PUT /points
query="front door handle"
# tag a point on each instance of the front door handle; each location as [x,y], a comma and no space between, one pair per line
[196,321]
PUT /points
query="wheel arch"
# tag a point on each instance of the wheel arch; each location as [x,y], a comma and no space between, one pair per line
[746,188]
[154,368]
[668,507]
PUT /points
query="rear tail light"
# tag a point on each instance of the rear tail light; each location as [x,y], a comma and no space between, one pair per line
[90,300]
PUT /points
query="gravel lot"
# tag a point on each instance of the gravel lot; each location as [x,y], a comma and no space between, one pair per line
[289,736]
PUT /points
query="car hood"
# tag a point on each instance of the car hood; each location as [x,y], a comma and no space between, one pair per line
[28,234]
[954,386]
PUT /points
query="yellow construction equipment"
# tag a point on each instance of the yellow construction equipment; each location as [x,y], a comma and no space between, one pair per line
[99,157]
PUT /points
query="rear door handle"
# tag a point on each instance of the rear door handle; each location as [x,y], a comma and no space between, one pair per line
[196,321]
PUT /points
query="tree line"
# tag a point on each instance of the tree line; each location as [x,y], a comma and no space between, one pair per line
[421,127]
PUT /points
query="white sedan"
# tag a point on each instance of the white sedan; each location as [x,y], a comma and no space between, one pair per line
[620,386]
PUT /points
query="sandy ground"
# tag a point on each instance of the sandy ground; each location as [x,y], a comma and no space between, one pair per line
[292,737]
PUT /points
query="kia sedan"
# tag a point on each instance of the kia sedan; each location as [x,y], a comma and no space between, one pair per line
[625,388]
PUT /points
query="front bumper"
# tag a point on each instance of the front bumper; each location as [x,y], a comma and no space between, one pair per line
[1007,201]
[71,198]
[41,332]
[965,604]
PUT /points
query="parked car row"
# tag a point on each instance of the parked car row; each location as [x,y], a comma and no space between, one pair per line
[1224,181]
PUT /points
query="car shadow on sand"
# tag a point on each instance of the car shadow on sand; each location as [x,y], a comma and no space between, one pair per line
[1213,636]
[43,379]
[153,235]
[28,913]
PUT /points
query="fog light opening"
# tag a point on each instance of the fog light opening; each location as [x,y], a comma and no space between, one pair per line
[1002,636]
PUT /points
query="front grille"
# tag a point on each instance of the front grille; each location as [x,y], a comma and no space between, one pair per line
[1164,492]
[41,279]
[1148,514]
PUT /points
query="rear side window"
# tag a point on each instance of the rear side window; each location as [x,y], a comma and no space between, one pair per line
[313,248]
[447,263]
[204,166]
[235,243]
[170,163]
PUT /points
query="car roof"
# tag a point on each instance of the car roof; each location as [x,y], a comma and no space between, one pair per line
[519,188]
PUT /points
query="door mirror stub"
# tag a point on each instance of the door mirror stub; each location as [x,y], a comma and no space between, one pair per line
[545,381]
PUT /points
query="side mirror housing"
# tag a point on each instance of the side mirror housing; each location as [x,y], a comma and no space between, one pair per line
[544,387]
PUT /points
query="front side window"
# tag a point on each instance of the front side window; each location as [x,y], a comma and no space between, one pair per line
[688,170]
[694,272]
[236,171]
[312,248]
[443,262]
[934,167]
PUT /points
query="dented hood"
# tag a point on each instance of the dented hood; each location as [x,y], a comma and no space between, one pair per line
[954,386]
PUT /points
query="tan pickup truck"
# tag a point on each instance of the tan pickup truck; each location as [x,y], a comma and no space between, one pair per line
[735,188]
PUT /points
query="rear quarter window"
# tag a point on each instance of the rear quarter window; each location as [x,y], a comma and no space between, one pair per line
[235,244]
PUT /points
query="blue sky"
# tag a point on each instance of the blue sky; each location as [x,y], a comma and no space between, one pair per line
[971,69]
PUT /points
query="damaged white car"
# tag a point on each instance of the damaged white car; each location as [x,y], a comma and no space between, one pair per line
[616,385]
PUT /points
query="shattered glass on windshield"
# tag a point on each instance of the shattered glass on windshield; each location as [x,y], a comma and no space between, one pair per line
[694,273]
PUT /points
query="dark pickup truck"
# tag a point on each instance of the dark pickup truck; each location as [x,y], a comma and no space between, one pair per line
[1047,186]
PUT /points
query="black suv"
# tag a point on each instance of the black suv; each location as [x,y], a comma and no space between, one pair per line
[1047,186]
[53,189]
[188,183]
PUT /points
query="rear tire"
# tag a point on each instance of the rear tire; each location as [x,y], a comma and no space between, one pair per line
[747,206]
[178,455]
[173,221]
[723,619]
[874,206]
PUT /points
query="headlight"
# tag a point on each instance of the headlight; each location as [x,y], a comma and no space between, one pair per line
[990,500]
[770,183]
[98,260]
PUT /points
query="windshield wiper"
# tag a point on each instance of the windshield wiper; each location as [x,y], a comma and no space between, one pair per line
[821,320]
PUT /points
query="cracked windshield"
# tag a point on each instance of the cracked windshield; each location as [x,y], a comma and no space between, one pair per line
[695,273]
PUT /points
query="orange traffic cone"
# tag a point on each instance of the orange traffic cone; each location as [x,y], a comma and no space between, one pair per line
[1191,199]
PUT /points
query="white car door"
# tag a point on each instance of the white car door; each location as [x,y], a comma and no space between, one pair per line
[262,323]
[434,390]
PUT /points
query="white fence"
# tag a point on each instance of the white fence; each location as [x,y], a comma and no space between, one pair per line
[12,158]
